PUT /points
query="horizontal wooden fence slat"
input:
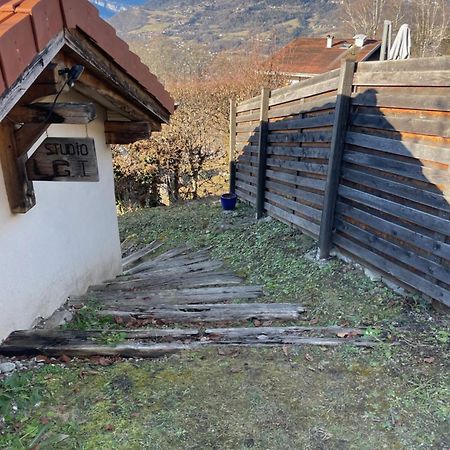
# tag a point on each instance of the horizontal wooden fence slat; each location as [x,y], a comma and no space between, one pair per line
[303,122]
[295,206]
[312,183]
[305,83]
[301,166]
[407,213]
[413,171]
[243,195]
[407,148]
[395,251]
[441,63]
[299,91]
[247,178]
[321,104]
[434,200]
[410,78]
[299,193]
[416,102]
[427,244]
[413,125]
[396,271]
[309,136]
[310,228]
[300,152]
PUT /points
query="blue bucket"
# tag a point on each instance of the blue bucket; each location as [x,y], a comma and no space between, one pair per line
[228,201]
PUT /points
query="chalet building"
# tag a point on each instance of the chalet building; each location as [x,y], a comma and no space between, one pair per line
[304,58]
[69,87]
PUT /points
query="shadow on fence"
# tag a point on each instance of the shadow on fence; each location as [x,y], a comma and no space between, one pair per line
[391,172]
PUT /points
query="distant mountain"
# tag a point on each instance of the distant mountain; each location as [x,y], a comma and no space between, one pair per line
[222,24]
[108,8]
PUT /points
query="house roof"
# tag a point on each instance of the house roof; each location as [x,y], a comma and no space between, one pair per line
[310,56]
[28,26]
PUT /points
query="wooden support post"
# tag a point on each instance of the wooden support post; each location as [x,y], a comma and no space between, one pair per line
[262,152]
[337,149]
[232,149]
[386,40]
[19,190]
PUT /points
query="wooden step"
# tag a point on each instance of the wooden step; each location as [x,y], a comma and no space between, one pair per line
[207,312]
[150,343]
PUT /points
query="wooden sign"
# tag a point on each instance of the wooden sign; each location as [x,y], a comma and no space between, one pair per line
[64,159]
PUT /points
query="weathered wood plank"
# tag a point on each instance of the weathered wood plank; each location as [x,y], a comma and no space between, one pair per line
[310,197]
[313,105]
[408,148]
[294,205]
[394,270]
[420,241]
[189,280]
[408,257]
[302,122]
[213,312]
[299,91]
[413,101]
[147,343]
[424,197]
[139,255]
[408,123]
[307,136]
[173,296]
[390,165]
[402,78]
[299,152]
[301,166]
[407,213]
[309,228]
[312,183]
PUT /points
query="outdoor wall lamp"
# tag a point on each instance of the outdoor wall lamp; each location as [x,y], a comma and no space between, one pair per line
[73,74]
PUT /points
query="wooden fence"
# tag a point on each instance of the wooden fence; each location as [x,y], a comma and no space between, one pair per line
[359,159]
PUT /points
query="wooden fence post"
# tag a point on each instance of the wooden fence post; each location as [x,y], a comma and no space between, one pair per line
[232,149]
[337,149]
[262,152]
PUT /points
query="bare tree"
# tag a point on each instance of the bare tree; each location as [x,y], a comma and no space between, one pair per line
[429,22]
[367,16]
[363,16]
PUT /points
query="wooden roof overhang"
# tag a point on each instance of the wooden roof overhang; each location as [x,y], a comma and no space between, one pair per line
[133,111]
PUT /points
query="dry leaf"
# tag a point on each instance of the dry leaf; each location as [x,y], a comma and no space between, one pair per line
[285,350]
[314,321]
[109,427]
[65,359]
[342,335]
[257,323]
[308,357]
[429,360]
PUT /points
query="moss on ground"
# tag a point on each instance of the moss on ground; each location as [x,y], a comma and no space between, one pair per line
[393,397]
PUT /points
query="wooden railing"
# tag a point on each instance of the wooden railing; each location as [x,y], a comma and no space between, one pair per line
[359,159]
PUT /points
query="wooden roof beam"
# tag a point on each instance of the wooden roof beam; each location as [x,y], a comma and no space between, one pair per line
[120,87]
[126,132]
[73,113]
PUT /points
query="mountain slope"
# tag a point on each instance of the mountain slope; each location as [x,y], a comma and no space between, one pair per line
[225,24]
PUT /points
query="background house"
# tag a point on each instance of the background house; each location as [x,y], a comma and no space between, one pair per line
[304,58]
[64,74]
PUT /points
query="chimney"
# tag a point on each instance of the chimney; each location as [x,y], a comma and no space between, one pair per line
[330,41]
[360,40]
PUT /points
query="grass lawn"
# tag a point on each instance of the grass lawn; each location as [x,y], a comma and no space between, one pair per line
[392,397]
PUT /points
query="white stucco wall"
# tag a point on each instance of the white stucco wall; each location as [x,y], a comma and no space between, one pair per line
[67,242]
